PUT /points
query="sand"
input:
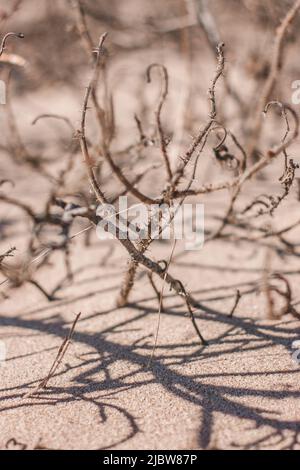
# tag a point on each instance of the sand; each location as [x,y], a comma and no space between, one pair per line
[239,392]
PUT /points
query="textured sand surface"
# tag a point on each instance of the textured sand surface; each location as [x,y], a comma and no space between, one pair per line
[242,391]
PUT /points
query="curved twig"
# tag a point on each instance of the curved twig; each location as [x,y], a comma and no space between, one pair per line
[55,116]
[163,97]
[4,40]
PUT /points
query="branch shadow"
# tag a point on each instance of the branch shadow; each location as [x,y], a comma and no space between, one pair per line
[240,335]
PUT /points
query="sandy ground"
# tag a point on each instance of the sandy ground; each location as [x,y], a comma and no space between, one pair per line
[241,391]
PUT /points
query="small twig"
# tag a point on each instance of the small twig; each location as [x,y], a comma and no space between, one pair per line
[163,97]
[55,116]
[4,40]
[57,361]
[7,254]
[283,109]
[236,302]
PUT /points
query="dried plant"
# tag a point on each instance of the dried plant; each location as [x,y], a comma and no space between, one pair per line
[57,361]
[230,152]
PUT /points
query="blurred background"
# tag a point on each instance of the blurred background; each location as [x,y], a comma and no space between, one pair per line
[182,34]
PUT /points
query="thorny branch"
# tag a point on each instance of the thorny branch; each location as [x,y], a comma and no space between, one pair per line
[66,212]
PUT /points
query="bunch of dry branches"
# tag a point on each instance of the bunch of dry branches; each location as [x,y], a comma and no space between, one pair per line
[179,175]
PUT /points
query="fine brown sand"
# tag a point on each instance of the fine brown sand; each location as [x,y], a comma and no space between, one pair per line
[241,391]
